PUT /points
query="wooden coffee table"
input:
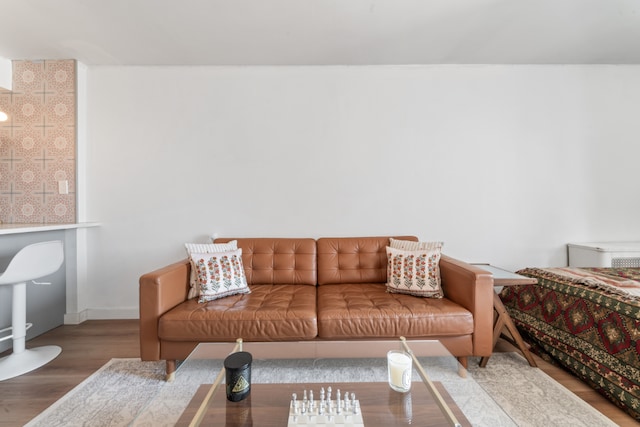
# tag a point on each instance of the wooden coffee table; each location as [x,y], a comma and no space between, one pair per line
[268,405]
[428,403]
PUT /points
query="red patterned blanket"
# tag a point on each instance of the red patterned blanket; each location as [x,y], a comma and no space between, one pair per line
[588,320]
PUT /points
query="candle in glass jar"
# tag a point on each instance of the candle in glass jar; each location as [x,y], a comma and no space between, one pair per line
[399,368]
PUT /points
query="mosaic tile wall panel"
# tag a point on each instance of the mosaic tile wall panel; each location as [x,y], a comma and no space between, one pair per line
[38,143]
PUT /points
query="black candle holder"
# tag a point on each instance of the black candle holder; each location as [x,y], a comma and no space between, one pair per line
[238,375]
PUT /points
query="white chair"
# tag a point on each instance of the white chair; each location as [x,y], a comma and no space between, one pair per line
[32,262]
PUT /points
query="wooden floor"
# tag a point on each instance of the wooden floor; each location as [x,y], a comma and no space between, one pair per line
[88,346]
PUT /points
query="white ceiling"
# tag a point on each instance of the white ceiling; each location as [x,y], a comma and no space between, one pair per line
[318,32]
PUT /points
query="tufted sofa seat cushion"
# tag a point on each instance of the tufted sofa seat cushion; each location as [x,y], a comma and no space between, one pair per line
[268,313]
[369,311]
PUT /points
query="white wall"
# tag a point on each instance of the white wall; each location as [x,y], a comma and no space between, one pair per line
[506,164]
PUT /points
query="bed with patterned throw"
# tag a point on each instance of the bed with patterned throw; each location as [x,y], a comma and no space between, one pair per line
[587,320]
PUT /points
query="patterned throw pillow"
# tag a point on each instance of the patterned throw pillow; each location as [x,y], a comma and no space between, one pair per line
[206,248]
[414,272]
[408,245]
[219,274]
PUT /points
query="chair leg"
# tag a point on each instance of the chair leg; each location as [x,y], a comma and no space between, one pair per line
[21,360]
[19,317]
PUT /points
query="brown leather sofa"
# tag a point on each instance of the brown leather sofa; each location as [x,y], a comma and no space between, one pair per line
[304,289]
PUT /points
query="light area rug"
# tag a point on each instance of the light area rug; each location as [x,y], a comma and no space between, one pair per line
[508,392]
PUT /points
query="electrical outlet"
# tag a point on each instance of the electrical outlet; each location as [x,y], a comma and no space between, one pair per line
[63,187]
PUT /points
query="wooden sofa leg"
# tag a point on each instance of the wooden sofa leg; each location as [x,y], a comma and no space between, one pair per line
[171,370]
[464,361]
[464,364]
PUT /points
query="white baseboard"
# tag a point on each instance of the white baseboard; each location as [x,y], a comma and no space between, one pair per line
[101,314]
[114,313]
[75,318]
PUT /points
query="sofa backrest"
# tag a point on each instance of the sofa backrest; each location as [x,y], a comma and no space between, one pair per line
[278,261]
[354,259]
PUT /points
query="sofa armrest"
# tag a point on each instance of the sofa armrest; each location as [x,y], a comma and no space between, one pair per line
[472,288]
[160,291]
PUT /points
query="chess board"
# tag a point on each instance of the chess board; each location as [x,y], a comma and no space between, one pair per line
[326,420]
[325,411]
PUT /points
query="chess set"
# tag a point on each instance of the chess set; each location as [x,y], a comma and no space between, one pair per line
[344,411]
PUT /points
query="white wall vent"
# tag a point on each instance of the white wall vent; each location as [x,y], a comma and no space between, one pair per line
[625,262]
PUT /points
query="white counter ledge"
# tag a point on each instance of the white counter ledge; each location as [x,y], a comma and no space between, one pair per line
[33,228]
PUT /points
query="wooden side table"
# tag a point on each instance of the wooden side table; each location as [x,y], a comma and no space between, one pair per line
[501,316]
